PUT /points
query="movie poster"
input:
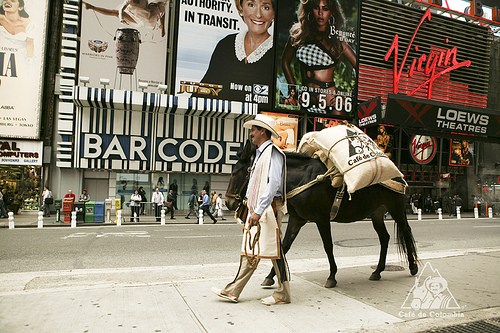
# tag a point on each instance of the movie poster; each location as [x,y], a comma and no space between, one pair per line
[383,135]
[287,126]
[22,51]
[316,69]
[212,60]
[461,153]
[124,42]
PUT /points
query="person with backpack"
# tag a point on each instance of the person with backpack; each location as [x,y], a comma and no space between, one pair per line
[48,199]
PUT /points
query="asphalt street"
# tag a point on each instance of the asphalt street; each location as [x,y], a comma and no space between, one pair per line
[152,278]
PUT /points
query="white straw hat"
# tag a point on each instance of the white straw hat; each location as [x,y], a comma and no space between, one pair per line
[264,122]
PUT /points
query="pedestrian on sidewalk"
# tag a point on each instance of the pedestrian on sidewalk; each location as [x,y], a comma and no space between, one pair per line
[265,192]
[135,206]
[157,201]
[70,195]
[47,200]
[192,204]
[3,204]
[171,203]
[84,197]
[175,188]
[205,205]
[218,207]
[142,193]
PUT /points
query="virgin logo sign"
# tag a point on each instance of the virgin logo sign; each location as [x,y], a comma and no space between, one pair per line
[433,65]
[422,148]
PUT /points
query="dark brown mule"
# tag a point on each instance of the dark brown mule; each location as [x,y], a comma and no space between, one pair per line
[314,204]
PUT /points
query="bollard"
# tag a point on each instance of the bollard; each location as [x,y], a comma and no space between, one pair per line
[58,216]
[490,212]
[476,213]
[119,218]
[40,219]
[200,216]
[135,217]
[458,213]
[11,220]
[162,217]
[440,213]
[419,212]
[73,219]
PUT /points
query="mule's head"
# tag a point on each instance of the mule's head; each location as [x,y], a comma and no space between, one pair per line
[238,183]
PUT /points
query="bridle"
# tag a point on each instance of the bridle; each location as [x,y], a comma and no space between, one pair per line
[240,193]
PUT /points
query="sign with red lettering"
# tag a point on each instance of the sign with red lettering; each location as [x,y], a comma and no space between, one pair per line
[433,65]
[423,148]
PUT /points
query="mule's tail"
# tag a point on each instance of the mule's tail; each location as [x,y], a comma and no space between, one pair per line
[406,243]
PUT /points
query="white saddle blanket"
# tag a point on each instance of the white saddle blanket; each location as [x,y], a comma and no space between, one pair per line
[354,153]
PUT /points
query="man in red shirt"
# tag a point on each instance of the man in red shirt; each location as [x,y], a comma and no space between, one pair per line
[70,195]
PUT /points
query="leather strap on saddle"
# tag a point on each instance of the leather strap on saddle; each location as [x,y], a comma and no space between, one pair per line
[336,202]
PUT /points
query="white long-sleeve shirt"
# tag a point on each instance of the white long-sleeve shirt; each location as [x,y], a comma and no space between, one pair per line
[275,180]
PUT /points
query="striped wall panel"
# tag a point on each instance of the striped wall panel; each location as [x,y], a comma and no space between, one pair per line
[66,108]
[138,131]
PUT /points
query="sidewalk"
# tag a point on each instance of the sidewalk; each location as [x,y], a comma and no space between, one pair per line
[30,219]
[178,298]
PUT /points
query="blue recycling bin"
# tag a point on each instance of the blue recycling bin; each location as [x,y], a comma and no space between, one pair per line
[99,211]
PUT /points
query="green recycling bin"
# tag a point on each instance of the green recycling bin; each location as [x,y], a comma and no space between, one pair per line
[89,211]
[57,204]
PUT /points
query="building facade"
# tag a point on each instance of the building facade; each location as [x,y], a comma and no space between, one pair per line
[127,99]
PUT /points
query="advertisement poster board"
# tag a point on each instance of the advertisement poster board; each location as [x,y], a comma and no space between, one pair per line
[316,57]
[211,52]
[21,152]
[22,40]
[286,125]
[125,43]
[461,153]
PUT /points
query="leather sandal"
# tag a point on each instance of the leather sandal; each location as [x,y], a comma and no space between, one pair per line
[227,297]
[272,301]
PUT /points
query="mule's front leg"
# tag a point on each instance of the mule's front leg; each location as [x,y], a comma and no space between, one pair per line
[326,237]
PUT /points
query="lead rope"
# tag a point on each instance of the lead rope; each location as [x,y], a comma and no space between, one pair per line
[253,259]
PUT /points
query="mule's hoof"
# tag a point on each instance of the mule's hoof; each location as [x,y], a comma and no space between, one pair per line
[413,270]
[267,282]
[375,276]
[330,283]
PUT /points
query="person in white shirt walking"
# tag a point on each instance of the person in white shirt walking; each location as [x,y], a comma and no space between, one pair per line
[157,201]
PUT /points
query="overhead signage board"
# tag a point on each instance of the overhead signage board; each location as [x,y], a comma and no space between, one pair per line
[22,53]
[316,57]
[124,44]
[441,117]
